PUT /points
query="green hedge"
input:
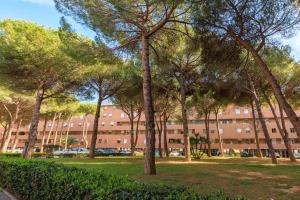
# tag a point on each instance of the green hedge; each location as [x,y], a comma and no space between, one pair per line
[29,179]
[18,155]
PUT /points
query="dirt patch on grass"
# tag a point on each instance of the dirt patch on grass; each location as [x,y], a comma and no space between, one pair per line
[291,190]
[245,178]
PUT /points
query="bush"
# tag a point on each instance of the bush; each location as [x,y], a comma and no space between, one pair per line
[18,155]
[29,179]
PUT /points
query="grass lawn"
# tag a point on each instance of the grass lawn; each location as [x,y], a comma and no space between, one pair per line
[249,177]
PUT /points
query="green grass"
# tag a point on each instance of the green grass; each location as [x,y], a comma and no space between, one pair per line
[249,177]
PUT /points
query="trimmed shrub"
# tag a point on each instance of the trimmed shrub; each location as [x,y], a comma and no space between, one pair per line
[35,180]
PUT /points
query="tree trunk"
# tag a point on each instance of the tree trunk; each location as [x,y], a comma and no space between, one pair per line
[137,130]
[32,134]
[219,135]
[259,154]
[67,133]
[149,165]
[286,140]
[44,133]
[6,138]
[61,132]
[4,134]
[95,127]
[263,124]
[56,130]
[159,130]
[50,131]
[294,119]
[165,133]
[84,130]
[17,136]
[207,134]
[131,117]
[286,137]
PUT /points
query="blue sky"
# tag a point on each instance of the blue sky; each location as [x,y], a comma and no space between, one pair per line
[44,13]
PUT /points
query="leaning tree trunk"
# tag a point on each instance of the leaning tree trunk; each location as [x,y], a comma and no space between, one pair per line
[61,132]
[207,134]
[95,127]
[56,130]
[294,119]
[137,130]
[6,138]
[84,130]
[16,139]
[286,140]
[259,154]
[165,133]
[149,165]
[219,134]
[32,134]
[263,124]
[286,137]
[51,129]
[44,133]
[67,133]
[186,136]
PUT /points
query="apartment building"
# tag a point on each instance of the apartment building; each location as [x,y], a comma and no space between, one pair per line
[236,129]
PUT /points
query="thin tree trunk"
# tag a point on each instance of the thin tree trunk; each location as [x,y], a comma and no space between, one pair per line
[165,129]
[6,138]
[159,130]
[281,131]
[86,135]
[68,130]
[6,127]
[44,133]
[263,124]
[56,130]
[286,137]
[61,132]
[207,134]
[95,127]
[51,129]
[149,164]
[219,135]
[137,130]
[32,134]
[16,139]
[131,117]
[294,119]
[84,130]
[259,154]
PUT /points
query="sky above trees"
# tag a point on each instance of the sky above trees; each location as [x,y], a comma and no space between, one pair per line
[44,13]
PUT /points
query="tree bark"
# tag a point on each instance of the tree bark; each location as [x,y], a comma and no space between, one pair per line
[282,132]
[67,133]
[95,127]
[131,117]
[32,134]
[61,132]
[56,130]
[207,134]
[165,132]
[219,135]
[259,154]
[137,129]
[4,134]
[294,119]
[44,133]
[17,135]
[159,130]
[286,137]
[84,130]
[263,124]
[50,131]
[149,164]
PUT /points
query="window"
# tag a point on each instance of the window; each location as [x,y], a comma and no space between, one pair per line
[237,111]
[49,125]
[88,124]
[104,115]
[175,131]
[246,111]
[110,115]
[118,141]
[79,124]
[247,130]
[212,131]
[111,123]
[100,141]
[105,107]
[65,124]
[125,141]
[72,125]
[221,131]
[273,141]
[175,141]
[292,130]
[103,123]
[239,130]
[274,130]
[122,115]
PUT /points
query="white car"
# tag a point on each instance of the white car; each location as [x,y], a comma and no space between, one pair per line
[61,152]
[175,153]
[297,155]
[79,150]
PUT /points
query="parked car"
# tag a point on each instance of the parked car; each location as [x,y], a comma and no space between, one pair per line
[79,150]
[175,154]
[276,154]
[297,155]
[125,152]
[138,153]
[61,152]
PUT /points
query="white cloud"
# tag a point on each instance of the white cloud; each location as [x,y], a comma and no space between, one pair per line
[41,2]
[294,43]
